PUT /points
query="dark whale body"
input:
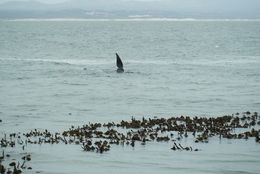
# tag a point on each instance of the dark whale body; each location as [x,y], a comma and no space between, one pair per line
[119,64]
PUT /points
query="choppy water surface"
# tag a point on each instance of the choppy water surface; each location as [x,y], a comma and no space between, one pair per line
[57,74]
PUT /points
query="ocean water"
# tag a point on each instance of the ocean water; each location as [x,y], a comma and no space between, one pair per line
[54,74]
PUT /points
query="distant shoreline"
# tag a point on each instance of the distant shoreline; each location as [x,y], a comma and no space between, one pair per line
[126,20]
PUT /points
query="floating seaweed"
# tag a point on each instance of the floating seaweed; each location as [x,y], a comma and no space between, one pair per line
[13,167]
[97,137]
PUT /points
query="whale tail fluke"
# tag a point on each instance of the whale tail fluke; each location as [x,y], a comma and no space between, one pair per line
[119,64]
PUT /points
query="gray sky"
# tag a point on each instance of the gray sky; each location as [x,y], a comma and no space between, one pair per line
[238,2]
[44,1]
[219,6]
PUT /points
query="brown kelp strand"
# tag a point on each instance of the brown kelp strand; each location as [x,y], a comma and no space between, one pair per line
[9,165]
[153,129]
[180,147]
[98,146]
[98,137]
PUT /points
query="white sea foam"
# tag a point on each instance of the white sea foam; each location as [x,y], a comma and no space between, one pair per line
[237,60]
[62,61]
[140,16]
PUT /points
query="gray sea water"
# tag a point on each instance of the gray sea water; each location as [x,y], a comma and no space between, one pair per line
[55,74]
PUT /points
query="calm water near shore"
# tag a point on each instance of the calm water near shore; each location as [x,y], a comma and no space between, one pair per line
[54,74]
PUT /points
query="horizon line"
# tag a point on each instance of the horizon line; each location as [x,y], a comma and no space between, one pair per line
[123,19]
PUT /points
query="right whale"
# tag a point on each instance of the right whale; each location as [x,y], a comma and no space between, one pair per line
[119,64]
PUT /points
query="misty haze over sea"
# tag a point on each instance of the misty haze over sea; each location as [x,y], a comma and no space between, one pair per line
[200,9]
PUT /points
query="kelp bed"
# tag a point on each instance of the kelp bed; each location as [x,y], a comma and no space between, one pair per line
[98,137]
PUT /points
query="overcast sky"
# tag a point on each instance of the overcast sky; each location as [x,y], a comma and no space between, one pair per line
[45,1]
[252,6]
[184,1]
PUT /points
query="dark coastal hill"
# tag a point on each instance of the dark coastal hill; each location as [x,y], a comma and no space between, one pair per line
[129,9]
